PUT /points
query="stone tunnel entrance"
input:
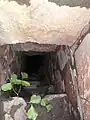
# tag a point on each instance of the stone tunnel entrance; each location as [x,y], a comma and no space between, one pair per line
[51,69]
[50,72]
[45,70]
[36,65]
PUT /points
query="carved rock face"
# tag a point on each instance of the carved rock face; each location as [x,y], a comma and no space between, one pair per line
[42,22]
[60,109]
[14,109]
[82,57]
[60,28]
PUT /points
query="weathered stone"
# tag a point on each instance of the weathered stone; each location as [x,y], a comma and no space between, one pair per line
[6,59]
[13,109]
[73,3]
[60,25]
[44,35]
[60,111]
[69,75]
[35,47]
[82,58]
[21,2]
[70,3]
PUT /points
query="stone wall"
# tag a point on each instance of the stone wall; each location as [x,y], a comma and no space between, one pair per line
[82,56]
[73,3]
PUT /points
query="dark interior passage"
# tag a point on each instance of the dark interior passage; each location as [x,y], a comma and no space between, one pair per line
[35,66]
[43,71]
[33,63]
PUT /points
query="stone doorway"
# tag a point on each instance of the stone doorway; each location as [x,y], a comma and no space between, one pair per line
[50,72]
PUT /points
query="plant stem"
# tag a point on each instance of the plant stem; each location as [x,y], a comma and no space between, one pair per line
[14,91]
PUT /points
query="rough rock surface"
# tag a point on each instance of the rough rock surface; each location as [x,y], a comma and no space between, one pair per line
[60,111]
[6,58]
[73,3]
[82,57]
[13,109]
[43,22]
[60,26]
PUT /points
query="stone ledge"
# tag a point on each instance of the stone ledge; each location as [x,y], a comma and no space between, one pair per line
[60,108]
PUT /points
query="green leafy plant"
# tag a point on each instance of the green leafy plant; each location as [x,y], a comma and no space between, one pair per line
[34,99]
[49,107]
[24,75]
[44,102]
[32,114]
[6,87]
[15,81]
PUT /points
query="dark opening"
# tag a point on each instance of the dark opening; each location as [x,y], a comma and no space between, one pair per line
[32,64]
[36,66]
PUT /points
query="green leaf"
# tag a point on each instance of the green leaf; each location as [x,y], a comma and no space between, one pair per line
[35,99]
[17,82]
[49,107]
[21,82]
[44,102]
[6,87]
[24,75]
[13,78]
[25,83]
[31,113]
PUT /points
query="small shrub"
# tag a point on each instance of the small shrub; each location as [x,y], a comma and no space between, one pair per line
[34,99]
